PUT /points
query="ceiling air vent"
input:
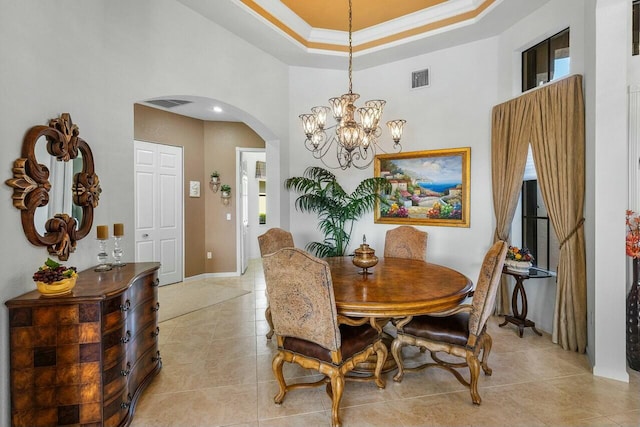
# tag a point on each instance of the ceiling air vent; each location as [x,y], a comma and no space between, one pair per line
[420,78]
[168,103]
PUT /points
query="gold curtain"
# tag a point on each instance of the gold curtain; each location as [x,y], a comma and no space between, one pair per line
[551,118]
[557,142]
[510,133]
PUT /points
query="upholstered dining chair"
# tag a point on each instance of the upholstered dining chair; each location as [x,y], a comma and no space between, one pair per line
[309,331]
[406,242]
[271,241]
[460,332]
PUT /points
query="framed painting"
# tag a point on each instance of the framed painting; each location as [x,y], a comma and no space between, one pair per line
[427,187]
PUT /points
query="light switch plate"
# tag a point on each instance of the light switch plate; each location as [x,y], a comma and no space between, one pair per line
[194,188]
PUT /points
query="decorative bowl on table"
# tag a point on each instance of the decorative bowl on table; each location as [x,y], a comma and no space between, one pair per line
[53,279]
[518,266]
[518,259]
[365,258]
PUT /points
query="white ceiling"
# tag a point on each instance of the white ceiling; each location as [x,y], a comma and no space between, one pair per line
[243,21]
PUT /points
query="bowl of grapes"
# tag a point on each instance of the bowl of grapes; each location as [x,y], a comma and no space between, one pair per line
[54,279]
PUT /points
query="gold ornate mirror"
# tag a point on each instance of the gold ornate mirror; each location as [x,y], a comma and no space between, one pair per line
[67,155]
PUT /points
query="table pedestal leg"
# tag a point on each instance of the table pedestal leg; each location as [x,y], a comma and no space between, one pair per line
[519,318]
[369,366]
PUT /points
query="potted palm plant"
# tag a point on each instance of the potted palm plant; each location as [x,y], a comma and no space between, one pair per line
[337,210]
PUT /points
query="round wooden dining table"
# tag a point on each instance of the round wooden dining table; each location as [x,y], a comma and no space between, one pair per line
[396,287]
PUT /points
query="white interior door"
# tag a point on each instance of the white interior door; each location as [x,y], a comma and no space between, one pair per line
[247,212]
[158,208]
[245,217]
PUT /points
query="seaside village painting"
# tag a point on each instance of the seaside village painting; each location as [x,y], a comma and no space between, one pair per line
[423,187]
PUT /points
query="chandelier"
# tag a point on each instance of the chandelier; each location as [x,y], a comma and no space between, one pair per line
[356,141]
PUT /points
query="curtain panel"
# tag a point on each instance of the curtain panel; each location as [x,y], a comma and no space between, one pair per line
[551,119]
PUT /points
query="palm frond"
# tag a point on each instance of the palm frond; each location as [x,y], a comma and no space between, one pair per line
[312,202]
[319,174]
[320,250]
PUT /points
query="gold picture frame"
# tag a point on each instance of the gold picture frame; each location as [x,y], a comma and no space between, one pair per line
[430,187]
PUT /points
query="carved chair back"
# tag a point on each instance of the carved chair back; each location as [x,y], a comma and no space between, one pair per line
[301,297]
[406,242]
[273,240]
[484,296]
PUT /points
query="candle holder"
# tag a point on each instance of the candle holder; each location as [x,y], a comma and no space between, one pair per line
[102,256]
[117,252]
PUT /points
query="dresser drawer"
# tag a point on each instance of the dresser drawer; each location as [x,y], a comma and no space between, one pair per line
[118,341]
[116,309]
[146,364]
[147,339]
[115,379]
[142,289]
[116,409]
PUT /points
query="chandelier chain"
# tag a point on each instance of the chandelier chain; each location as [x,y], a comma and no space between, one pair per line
[350,50]
[355,139]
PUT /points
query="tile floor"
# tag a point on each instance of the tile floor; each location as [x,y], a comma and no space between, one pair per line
[217,372]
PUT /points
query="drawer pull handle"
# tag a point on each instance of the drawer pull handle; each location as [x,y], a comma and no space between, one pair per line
[126,306]
[127,371]
[127,404]
[156,283]
[156,308]
[157,357]
[156,332]
[125,339]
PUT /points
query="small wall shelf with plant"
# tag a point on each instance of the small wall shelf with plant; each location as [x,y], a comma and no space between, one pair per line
[225,193]
[215,181]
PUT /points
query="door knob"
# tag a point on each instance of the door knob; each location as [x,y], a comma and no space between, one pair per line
[145,235]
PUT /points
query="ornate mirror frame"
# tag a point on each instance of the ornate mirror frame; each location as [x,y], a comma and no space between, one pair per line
[31,186]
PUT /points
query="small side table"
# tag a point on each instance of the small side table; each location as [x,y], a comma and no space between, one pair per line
[519,318]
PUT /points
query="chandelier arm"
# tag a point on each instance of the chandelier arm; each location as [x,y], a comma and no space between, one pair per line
[308,144]
[324,149]
[362,156]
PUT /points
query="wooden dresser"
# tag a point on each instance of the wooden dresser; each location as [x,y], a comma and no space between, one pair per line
[84,359]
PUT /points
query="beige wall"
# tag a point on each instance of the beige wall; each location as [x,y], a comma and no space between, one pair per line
[220,142]
[153,125]
[208,146]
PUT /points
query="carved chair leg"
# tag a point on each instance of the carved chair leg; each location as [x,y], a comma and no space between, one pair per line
[396,352]
[381,353]
[486,350]
[267,315]
[276,364]
[337,387]
[474,371]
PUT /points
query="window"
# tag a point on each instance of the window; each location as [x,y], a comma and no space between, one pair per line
[546,61]
[635,30]
[262,202]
